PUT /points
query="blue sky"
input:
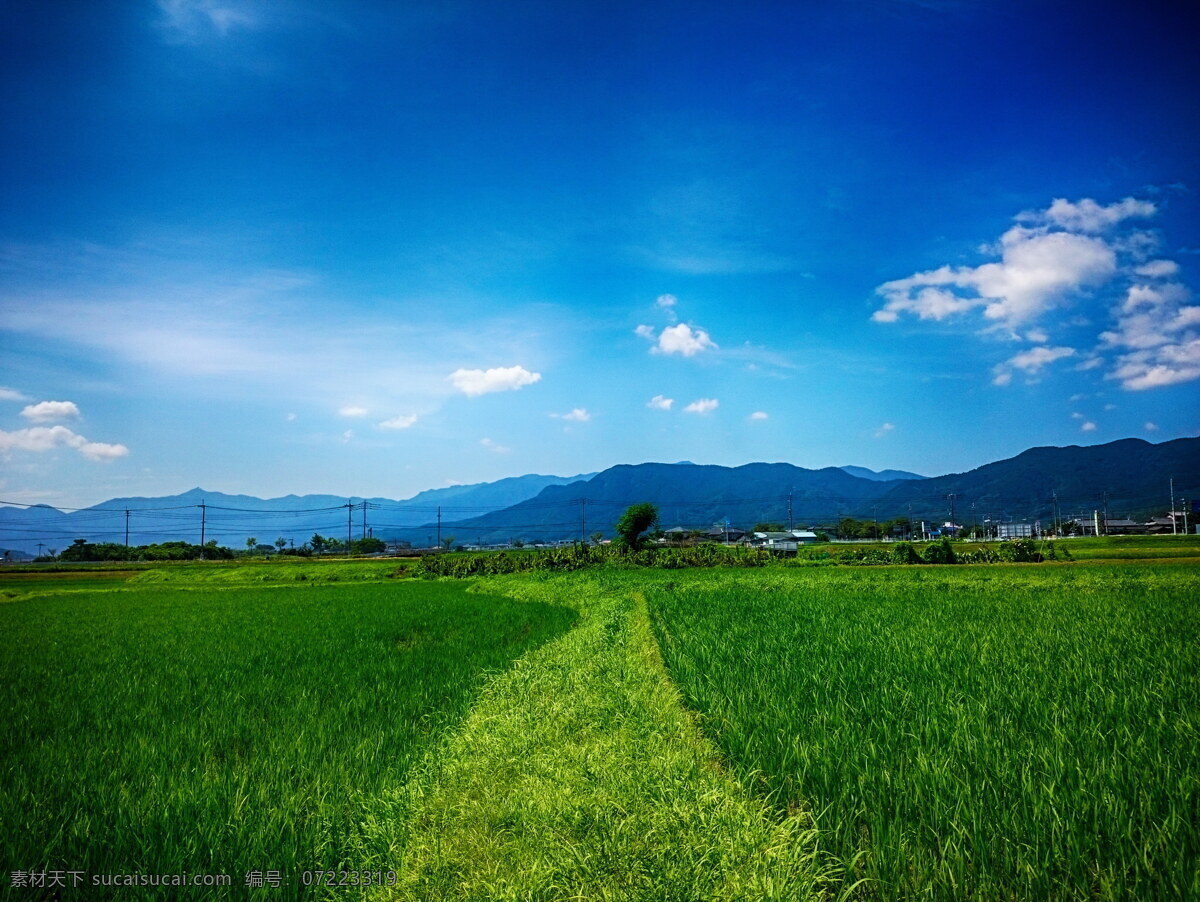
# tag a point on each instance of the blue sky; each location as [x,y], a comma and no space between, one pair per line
[373,248]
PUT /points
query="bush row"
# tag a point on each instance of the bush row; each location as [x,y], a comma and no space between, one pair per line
[576,557]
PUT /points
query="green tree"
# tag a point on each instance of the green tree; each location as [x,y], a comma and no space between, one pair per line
[636,520]
[597,537]
[448,542]
[281,543]
[251,544]
[319,543]
[768,527]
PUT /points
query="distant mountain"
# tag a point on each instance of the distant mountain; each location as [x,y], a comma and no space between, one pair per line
[882,475]
[1130,477]
[687,495]
[231,519]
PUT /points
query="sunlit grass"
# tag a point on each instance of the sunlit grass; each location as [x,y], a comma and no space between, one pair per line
[1008,733]
[170,730]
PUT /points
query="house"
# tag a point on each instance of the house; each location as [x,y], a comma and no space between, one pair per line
[783,542]
[1014,530]
[720,532]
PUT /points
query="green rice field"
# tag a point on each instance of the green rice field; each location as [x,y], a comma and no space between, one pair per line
[616,733]
[991,733]
[175,730]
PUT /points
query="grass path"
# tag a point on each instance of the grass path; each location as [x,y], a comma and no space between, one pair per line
[580,775]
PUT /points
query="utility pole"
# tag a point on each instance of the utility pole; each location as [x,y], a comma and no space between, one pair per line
[41,545]
[126,527]
[583,521]
[439,527]
[1057,527]
[1174,529]
[790,491]
[364,534]
[349,522]
[1106,511]
[974,521]
[950,497]
[203,523]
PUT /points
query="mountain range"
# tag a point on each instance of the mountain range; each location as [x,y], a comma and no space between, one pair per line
[1128,478]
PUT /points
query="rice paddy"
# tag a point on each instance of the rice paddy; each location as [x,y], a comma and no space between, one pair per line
[776,733]
[182,731]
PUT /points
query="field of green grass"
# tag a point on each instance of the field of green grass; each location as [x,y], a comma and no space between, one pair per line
[1021,732]
[1024,731]
[161,729]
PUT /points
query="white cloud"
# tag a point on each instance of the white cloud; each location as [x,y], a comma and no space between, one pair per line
[679,339]
[658,402]
[1089,426]
[353,411]
[347,436]
[1034,359]
[1089,216]
[482,382]
[1159,335]
[1002,376]
[1158,269]
[578,415]
[666,301]
[291,417]
[494,446]
[644,331]
[11,394]
[884,430]
[1037,336]
[702,406]
[39,439]
[758,415]
[49,411]
[1076,416]
[400,422]
[1150,427]
[1037,269]
[190,20]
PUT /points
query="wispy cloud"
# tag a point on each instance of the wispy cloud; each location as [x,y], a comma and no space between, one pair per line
[758,416]
[494,447]
[885,429]
[481,382]
[1087,426]
[11,394]
[702,406]
[188,21]
[400,422]
[353,410]
[658,402]
[577,415]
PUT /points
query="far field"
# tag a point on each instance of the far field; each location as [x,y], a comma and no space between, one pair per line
[984,732]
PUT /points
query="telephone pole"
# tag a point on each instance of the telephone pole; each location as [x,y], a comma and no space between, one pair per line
[583,521]
[349,523]
[364,533]
[1174,529]
[203,523]
[439,526]
[126,527]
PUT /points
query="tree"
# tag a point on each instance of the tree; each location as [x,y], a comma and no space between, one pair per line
[597,537]
[768,527]
[281,543]
[251,544]
[448,542]
[319,543]
[635,521]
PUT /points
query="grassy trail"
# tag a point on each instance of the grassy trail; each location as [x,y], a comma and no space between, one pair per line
[579,774]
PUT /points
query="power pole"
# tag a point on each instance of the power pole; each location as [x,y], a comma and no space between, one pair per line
[1057,527]
[790,491]
[364,534]
[583,521]
[950,497]
[439,527]
[41,545]
[126,527]
[1106,511]
[203,523]
[349,523]
[1174,529]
